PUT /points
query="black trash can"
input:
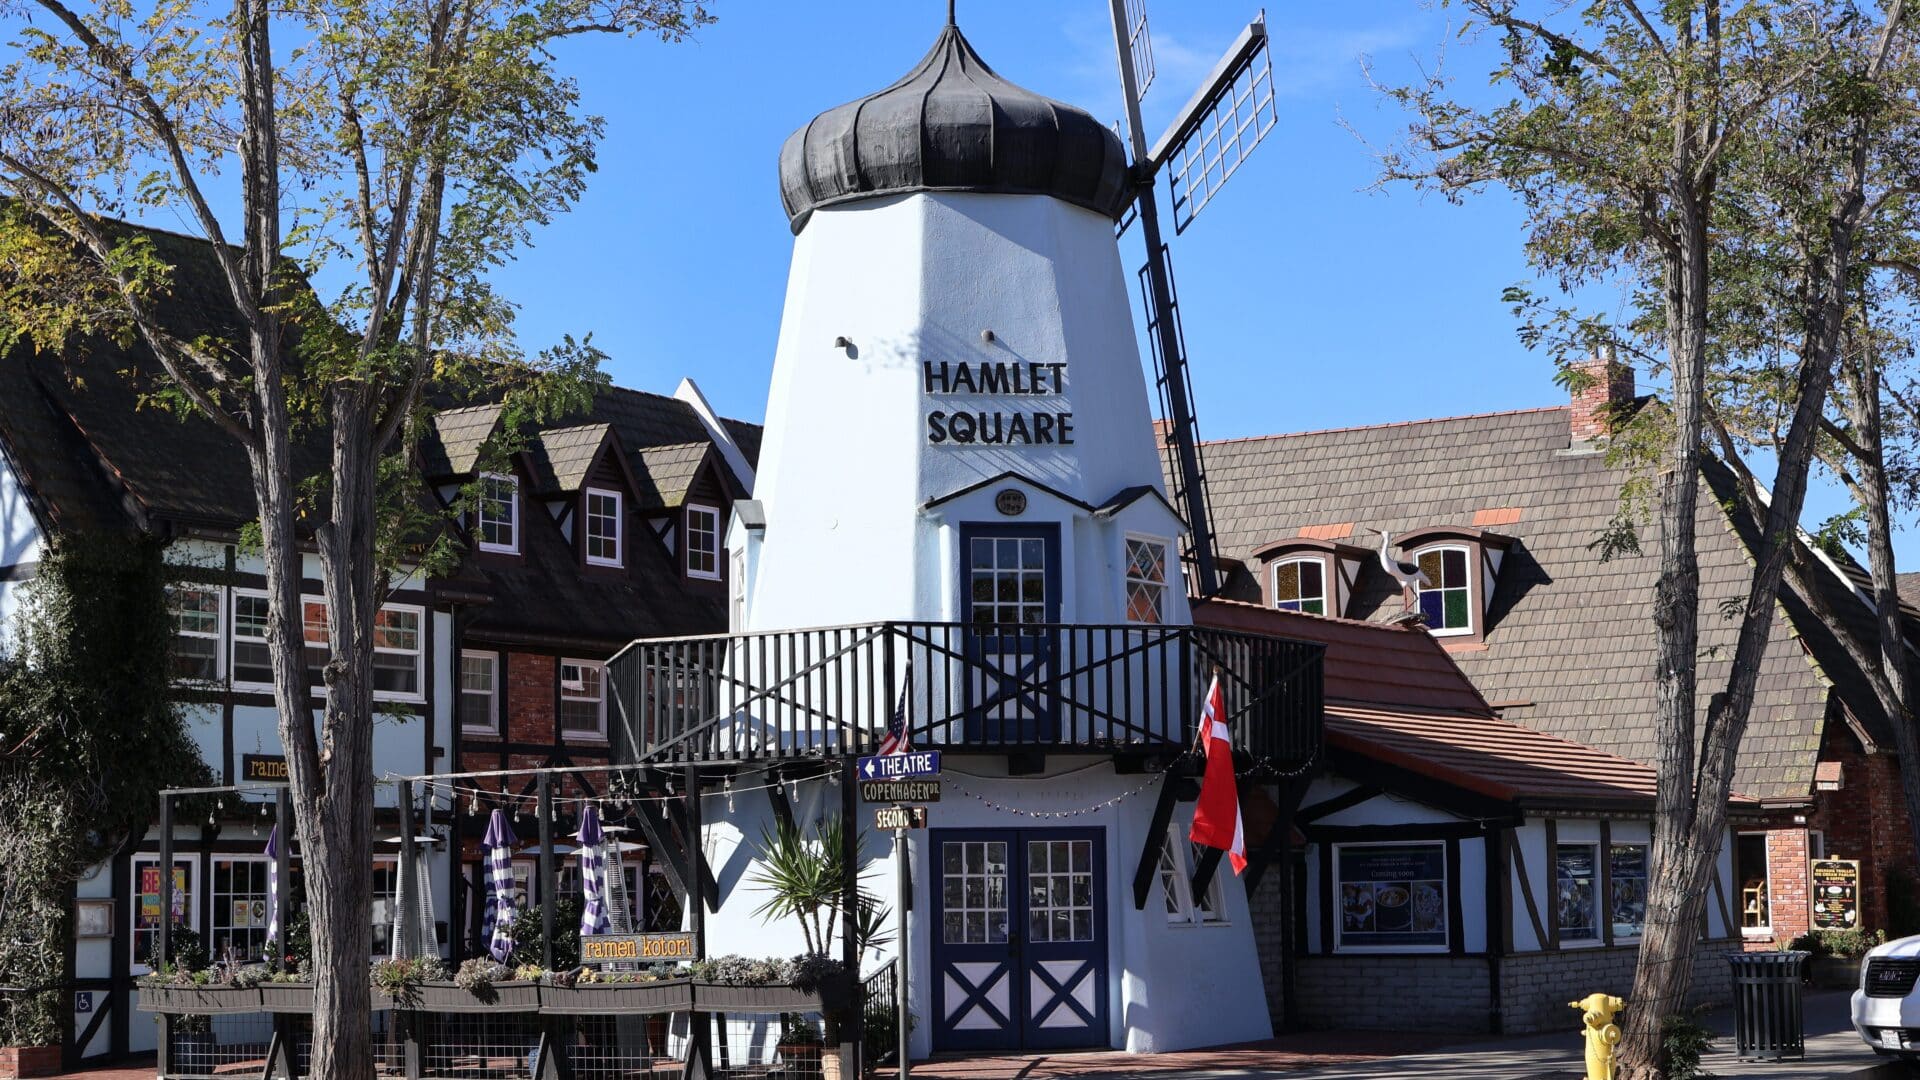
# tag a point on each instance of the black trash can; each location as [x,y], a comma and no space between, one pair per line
[1769,1022]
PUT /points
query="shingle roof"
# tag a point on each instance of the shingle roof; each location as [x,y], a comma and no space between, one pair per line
[665,472]
[559,458]
[451,445]
[1569,644]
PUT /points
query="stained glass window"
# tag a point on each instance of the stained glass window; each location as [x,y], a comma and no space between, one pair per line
[1146,581]
[1300,585]
[1446,599]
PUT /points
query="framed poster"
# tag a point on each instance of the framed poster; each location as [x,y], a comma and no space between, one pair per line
[1836,893]
[1391,896]
[93,918]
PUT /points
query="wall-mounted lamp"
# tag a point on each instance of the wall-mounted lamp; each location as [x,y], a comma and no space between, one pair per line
[843,342]
[987,336]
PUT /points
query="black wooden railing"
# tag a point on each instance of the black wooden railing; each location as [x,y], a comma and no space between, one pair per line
[829,691]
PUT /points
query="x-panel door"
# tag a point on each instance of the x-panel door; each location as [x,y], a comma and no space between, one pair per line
[1019,951]
[1010,590]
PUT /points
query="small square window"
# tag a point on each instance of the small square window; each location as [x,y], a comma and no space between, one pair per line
[479,691]
[1146,581]
[497,518]
[603,527]
[703,541]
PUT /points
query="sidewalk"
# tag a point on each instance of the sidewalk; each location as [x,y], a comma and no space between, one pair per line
[1833,1051]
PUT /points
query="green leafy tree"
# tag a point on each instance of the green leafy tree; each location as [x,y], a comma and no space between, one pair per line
[1717,168]
[355,170]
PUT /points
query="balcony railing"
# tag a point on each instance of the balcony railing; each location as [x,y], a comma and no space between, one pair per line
[830,691]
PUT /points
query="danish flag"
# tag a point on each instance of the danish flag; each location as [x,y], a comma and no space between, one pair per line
[1216,817]
[896,741]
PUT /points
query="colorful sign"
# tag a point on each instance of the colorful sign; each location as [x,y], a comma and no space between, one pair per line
[638,948]
[1836,893]
[1392,895]
[270,768]
[149,914]
[900,791]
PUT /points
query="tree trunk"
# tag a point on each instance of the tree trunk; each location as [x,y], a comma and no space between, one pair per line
[1676,887]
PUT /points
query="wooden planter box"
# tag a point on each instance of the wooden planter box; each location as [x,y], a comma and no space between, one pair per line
[713,997]
[201,1000]
[297,997]
[22,1062]
[618,999]
[511,996]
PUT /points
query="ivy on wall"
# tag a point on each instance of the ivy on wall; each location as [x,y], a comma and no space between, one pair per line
[89,734]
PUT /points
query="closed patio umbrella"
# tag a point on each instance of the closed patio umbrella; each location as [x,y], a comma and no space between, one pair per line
[593,878]
[499,843]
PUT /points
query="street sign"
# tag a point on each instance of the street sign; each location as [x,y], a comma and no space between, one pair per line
[893,791]
[900,766]
[644,948]
[900,817]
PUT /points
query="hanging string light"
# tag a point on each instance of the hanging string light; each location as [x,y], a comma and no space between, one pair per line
[947,780]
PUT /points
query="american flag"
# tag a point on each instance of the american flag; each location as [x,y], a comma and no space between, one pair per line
[896,741]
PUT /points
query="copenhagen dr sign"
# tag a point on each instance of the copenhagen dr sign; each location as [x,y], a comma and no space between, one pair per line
[995,427]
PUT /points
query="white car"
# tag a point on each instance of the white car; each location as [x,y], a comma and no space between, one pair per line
[1886,1008]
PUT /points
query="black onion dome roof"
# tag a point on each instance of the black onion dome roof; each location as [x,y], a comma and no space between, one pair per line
[951,124]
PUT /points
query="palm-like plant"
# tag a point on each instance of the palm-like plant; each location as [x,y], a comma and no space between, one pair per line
[804,875]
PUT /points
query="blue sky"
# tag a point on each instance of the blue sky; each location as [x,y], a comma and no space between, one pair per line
[1339,305]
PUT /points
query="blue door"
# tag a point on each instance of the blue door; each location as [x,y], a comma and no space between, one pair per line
[1010,597]
[1019,943]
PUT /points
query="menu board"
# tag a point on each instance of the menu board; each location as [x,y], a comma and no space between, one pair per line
[1393,896]
[1836,893]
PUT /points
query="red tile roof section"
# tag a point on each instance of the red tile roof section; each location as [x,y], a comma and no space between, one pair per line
[1496,516]
[1339,530]
[1394,695]
[1369,663]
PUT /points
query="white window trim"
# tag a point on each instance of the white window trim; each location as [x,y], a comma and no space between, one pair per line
[419,655]
[737,593]
[493,708]
[619,526]
[1273,585]
[319,689]
[1473,569]
[1127,579]
[1189,915]
[600,734]
[1602,904]
[1339,925]
[134,963]
[234,596]
[219,635]
[1739,908]
[1618,937]
[1816,850]
[513,514]
[687,561]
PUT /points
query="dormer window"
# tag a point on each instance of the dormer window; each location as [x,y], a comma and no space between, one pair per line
[497,519]
[602,519]
[1462,568]
[1447,602]
[1300,584]
[1146,580]
[703,541]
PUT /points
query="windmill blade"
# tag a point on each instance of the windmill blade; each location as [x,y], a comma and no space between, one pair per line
[1220,125]
[1140,43]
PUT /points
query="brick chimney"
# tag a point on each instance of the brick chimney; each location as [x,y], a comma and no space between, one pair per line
[1608,391]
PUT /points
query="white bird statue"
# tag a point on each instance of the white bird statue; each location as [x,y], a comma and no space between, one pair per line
[1407,574]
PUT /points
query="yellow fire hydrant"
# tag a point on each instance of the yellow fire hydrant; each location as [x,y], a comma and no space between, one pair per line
[1596,1022]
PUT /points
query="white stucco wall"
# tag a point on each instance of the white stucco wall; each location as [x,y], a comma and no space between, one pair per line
[1169,986]
[846,466]
[20,543]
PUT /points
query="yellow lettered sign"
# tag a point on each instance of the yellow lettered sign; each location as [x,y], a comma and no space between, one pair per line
[638,948]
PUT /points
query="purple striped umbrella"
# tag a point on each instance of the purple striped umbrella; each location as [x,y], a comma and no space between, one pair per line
[593,874]
[273,885]
[499,843]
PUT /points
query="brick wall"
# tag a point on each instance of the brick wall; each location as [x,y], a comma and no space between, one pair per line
[1865,820]
[1535,987]
[1787,873]
[1267,909]
[531,681]
[1594,405]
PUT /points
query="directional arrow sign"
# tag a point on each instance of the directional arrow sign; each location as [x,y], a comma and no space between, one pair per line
[900,766]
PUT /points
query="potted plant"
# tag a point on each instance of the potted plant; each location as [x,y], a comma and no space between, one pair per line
[183,982]
[288,987]
[484,985]
[800,1043]
[30,1036]
[743,984]
[396,983]
[1836,955]
[586,992]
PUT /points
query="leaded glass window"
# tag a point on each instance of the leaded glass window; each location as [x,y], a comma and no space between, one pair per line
[1300,585]
[1447,599]
[1146,581]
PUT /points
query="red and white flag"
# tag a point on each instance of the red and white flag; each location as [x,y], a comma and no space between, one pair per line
[1216,817]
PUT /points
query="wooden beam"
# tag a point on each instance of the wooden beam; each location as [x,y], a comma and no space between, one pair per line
[1278,844]
[1203,872]
[665,850]
[1149,863]
[1336,804]
[1353,834]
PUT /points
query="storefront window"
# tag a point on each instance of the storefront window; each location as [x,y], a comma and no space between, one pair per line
[1627,878]
[1576,884]
[146,904]
[1392,896]
[239,908]
[1750,870]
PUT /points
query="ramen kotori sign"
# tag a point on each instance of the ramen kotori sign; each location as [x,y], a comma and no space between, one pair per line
[1393,896]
